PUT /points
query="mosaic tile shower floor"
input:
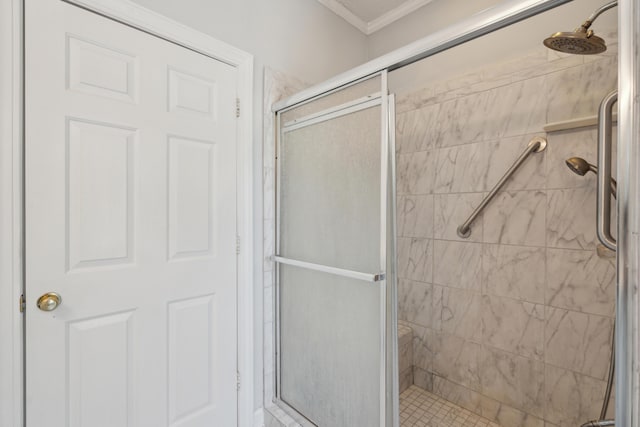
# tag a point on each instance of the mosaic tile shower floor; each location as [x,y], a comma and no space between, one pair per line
[419,408]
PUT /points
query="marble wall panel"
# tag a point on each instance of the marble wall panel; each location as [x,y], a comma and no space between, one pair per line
[457,264]
[451,210]
[580,280]
[516,218]
[517,109]
[457,359]
[415,216]
[578,341]
[461,169]
[415,130]
[416,172]
[516,272]
[464,120]
[514,326]
[424,345]
[423,378]
[577,91]
[458,312]
[571,398]
[415,302]
[415,259]
[515,380]
[571,218]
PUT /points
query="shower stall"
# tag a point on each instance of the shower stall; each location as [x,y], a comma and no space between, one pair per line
[442,206]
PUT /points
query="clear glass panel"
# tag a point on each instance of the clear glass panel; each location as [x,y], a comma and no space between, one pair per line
[330,347]
[330,192]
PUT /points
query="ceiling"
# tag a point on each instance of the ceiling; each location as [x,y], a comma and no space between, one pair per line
[371,15]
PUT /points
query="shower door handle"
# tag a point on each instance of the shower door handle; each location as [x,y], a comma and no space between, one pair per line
[605,140]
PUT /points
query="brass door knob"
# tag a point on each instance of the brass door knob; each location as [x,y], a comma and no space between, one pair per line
[49,301]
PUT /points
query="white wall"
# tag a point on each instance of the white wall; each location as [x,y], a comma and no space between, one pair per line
[515,41]
[299,37]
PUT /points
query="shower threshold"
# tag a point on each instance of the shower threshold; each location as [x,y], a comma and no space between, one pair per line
[420,408]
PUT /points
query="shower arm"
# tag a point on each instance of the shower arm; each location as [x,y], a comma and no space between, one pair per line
[536,145]
[585,26]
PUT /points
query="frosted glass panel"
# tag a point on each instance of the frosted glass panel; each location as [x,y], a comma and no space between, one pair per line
[330,347]
[360,90]
[332,205]
[330,192]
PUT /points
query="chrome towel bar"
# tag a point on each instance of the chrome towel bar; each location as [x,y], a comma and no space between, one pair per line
[367,277]
[536,145]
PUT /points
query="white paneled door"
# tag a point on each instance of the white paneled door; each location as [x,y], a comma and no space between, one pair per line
[131,220]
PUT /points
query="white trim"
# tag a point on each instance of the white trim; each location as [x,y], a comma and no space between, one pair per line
[246,333]
[381,21]
[11,247]
[258,418]
[393,15]
[11,193]
[344,13]
[133,14]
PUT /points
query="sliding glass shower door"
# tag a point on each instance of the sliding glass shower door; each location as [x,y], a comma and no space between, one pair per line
[333,294]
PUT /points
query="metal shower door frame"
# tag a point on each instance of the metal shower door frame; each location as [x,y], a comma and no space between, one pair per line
[628,206]
[381,99]
[482,23]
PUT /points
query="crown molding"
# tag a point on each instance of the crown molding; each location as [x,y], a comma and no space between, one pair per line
[380,22]
[337,8]
[393,15]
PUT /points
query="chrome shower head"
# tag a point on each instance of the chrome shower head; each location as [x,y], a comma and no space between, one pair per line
[580,166]
[581,41]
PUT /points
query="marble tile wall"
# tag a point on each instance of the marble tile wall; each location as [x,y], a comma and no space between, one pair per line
[514,322]
[405,357]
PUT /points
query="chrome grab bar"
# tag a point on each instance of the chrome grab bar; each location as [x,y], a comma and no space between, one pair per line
[605,140]
[536,145]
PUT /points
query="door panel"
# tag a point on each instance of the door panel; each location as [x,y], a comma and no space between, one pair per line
[131,218]
[330,347]
[331,287]
[190,197]
[191,377]
[100,194]
[99,352]
[330,187]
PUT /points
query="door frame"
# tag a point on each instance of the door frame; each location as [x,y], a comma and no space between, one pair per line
[12,404]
